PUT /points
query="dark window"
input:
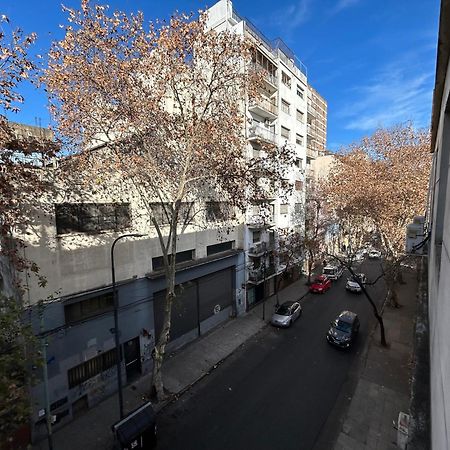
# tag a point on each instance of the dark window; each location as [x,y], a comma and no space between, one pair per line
[218,211]
[218,248]
[256,236]
[90,368]
[163,212]
[91,217]
[58,403]
[158,262]
[298,185]
[87,308]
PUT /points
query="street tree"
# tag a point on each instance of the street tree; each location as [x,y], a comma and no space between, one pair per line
[20,156]
[378,185]
[165,101]
[289,252]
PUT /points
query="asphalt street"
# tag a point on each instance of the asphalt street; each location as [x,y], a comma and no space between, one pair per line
[281,388]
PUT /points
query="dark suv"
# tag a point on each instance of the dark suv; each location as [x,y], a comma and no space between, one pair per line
[343,330]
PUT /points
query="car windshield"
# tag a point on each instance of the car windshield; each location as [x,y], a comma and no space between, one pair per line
[329,270]
[284,310]
[319,281]
[342,326]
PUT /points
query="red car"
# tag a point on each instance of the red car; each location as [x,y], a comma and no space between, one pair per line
[320,284]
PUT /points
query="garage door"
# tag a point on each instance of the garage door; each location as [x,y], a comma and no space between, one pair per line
[196,301]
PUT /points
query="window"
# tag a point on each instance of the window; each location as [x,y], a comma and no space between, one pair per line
[298,185]
[286,79]
[284,208]
[256,236]
[92,367]
[87,308]
[91,217]
[300,116]
[308,160]
[163,212]
[298,162]
[285,106]
[300,91]
[180,257]
[299,139]
[285,132]
[218,211]
[219,248]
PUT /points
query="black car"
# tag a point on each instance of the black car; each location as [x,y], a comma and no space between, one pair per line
[343,330]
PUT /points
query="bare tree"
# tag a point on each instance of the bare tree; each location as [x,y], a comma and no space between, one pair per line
[166,103]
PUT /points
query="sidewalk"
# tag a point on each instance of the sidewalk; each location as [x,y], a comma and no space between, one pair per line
[382,390]
[180,371]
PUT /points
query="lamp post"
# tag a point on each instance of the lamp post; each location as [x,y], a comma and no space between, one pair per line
[116,319]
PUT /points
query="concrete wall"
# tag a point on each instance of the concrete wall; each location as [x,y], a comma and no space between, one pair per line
[439,248]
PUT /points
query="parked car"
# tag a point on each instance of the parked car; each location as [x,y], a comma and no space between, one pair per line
[333,272]
[374,254]
[286,314]
[343,330]
[353,286]
[320,284]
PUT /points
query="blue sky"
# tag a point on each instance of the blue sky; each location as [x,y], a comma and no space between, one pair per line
[373,61]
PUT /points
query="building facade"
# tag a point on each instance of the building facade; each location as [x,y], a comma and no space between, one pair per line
[290,112]
[439,242]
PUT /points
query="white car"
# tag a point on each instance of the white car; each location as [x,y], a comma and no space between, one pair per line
[374,254]
[333,272]
[353,286]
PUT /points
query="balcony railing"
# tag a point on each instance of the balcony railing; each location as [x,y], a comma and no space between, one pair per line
[257,275]
[265,104]
[258,131]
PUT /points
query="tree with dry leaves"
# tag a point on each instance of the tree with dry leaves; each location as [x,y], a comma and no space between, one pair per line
[378,186]
[165,102]
[21,155]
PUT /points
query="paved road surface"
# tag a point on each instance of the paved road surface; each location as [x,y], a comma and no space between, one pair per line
[278,390]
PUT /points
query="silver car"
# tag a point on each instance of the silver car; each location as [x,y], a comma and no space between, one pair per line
[353,286]
[286,313]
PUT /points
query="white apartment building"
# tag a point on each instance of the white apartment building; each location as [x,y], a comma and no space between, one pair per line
[280,117]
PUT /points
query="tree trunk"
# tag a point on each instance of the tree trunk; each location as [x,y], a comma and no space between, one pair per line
[383,341]
[157,388]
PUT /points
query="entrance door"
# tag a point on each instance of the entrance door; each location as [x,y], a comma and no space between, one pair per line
[132,359]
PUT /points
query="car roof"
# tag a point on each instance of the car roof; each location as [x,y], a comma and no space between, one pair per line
[289,303]
[347,316]
[330,267]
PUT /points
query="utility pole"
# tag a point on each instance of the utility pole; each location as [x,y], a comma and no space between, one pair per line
[116,321]
[264,286]
[44,344]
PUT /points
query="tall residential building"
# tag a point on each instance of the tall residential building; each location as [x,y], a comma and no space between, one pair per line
[290,112]
[316,137]
[438,226]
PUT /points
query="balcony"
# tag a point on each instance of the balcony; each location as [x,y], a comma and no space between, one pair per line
[260,248]
[257,132]
[256,276]
[259,223]
[264,107]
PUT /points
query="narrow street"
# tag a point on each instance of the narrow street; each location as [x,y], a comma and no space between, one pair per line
[278,390]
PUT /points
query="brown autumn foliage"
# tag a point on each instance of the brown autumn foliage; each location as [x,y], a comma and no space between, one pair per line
[379,184]
[19,179]
[165,103]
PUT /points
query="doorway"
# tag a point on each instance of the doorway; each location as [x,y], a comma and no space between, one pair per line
[132,355]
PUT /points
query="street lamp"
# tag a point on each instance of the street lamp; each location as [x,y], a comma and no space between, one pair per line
[116,319]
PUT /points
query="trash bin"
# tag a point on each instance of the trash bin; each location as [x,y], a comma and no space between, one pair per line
[137,430]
